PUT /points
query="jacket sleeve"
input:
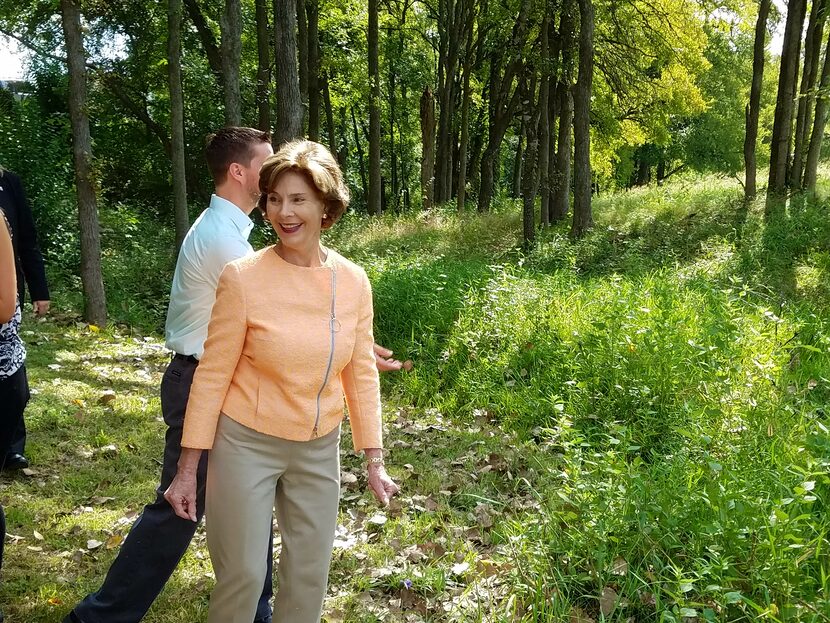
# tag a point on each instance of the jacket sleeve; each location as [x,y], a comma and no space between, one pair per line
[31,259]
[360,380]
[223,348]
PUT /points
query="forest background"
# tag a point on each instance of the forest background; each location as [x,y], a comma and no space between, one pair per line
[598,228]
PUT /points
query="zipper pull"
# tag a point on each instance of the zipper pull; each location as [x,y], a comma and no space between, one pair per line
[314,432]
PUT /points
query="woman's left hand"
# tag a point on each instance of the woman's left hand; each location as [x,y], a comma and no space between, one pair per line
[381,484]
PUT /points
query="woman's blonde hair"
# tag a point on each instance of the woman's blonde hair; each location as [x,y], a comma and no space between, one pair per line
[320,168]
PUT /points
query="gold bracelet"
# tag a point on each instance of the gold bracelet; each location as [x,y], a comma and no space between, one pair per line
[375,460]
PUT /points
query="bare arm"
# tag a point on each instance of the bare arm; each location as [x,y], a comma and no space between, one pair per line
[8,276]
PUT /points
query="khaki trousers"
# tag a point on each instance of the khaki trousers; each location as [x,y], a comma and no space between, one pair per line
[250,474]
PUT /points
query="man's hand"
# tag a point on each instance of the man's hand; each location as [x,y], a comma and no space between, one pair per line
[384,360]
[41,308]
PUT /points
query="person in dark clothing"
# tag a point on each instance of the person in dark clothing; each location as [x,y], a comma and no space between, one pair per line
[30,272]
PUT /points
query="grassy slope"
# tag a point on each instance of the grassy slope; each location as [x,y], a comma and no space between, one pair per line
[665,380]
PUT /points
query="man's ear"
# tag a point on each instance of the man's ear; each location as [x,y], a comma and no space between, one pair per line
[235,171]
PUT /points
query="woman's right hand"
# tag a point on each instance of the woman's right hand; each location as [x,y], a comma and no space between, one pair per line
[181,495]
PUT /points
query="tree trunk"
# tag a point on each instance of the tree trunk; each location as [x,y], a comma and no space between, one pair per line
[519,159]
[302,53]
[231,27]
[361,162]
[782,125]
[427,148]
[393,152]
[543,134]
[313,9]
[375,192]
[560,203]
[812,58]
[289,123]
[332,132]
[529,177]
[811,165]
[753,108]
[583,218]
[461,196]
[343,157]
[177,155]
[263,74]
[95,302]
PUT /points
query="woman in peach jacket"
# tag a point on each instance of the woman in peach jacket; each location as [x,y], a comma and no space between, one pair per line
[290,334]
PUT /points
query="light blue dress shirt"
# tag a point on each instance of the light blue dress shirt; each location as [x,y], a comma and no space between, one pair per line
[219,235]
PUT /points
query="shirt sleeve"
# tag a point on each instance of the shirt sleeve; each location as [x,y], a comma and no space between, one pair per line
[223,348]
[28,250]
[360,380]
[220,252]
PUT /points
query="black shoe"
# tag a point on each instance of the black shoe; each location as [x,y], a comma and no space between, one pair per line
[69,618]
[13,462]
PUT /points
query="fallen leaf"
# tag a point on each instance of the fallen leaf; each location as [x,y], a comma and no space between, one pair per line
[114,541]
[37,535]
[460,568]
[377,519]
[98,500]
[93,544]
[27,471]
[620,566]
[607,600]
[106,397]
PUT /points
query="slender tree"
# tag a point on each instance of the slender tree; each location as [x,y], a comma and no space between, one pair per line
[543,153]
[822,102]
[263,74]
[231,27]
[583,217]
[289,123]
[561,184]
[314,79]
[375,191]
[302,54]
[782,125]
[427,148]
[753,107]
[812,59]
[466,96]
[177,155]
[532,113]
[95,302]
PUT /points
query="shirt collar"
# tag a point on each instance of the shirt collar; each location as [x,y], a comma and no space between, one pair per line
[232,212]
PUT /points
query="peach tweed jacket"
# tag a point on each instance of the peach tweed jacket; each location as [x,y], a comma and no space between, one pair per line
[268,357]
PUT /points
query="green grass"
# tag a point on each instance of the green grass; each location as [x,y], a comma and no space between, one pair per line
[631,427]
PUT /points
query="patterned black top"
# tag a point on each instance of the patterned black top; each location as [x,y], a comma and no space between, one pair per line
[12,351]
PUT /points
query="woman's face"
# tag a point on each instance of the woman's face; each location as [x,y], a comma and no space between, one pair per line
[295,209]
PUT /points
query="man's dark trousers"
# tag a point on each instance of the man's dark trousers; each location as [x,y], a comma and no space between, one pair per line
[159,538]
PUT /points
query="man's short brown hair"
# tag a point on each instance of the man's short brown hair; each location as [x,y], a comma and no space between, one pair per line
[319,167]
[232,144]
